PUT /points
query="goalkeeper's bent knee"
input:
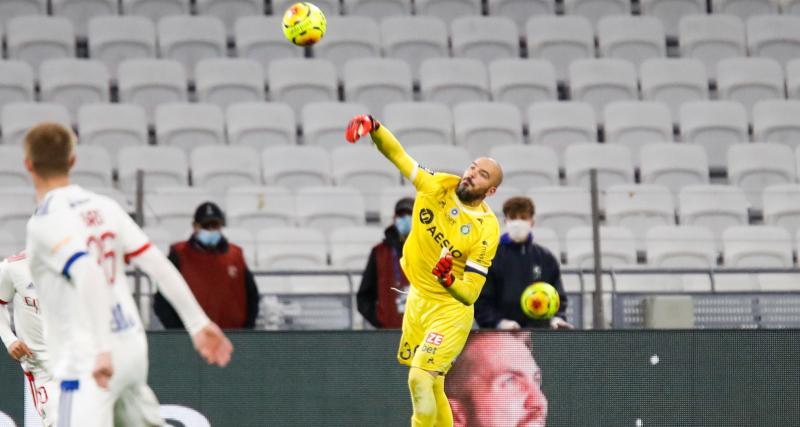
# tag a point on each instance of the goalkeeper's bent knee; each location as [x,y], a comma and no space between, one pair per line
[420,383]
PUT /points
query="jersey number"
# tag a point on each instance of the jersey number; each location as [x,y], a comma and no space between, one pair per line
[101,248]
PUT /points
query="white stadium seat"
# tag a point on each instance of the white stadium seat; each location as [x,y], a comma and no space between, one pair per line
[749,80]
[9,244]
[257,207]
[793,79]
[617,248]
[715,126]
[486,38]
[11,9]
[781,206]
[326,208]
[17,118]
[299,81]
[789,7]
[80,12]
[12,167]
[613,163]
[522,82]
[376,82]
[548,238]
[35,38]
[601,81]
[173,208]
[753,167]
[219,167]
[442,158]
[503,193]
[388,199]
[328,7]
[757,246]
[365,169]
[376,9]
[774,36]
[281,248]
[520,10]
[527,166]
[351,246]
[92,167]
[324,122]
[226,81]
[636,124]
[744,9]
[150,82]
[348,37]
[670,12]
[453,80]
[776,120]
[112,126]
[639,208]
[674,165]
[74,83]
[681,246]
[714,206]
[229,11]
[17,204]
[245,239]
[296,166]
[260,38]
[674,81]
[187,126]
[261,124]
[162,166]
[155,9]
[560,124]
[448,10]
[594,10]
[480,126]
[16,82]
[414,39]
[420,123]
[188,39]
[562,208]
[113,39]
[632,38]
[711,38]
[560,40]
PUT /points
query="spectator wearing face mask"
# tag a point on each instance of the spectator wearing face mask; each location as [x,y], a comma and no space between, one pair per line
[382,294]
[216,273]
[519,262]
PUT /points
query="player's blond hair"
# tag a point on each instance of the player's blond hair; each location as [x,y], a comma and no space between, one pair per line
[50,148]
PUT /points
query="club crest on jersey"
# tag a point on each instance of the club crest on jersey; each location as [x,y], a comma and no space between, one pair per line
[537,272]
[465,229]
[232,271]
[454,212]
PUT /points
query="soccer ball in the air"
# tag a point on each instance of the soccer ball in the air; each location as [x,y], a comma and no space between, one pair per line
[304,24]
[540,300]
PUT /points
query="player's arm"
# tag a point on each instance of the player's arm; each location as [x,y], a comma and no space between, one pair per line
[467,288]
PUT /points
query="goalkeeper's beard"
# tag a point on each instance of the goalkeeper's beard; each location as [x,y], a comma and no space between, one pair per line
[467,196]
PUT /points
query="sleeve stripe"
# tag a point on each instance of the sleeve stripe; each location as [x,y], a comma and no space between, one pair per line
[3,302]
[136,253]
[70,261]
[476,268]
[414,172]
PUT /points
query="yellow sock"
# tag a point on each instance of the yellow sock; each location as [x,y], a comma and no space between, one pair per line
[444,415]
[420,383]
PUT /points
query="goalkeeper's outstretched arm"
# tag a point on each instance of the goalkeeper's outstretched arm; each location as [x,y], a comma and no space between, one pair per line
[386,143]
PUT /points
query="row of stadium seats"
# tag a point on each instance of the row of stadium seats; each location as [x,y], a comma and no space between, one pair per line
[560,40]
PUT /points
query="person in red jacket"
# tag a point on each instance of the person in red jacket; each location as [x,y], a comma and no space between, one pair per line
[216,272]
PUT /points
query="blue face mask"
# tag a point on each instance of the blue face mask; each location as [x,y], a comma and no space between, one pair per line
[403,224]
[209,237]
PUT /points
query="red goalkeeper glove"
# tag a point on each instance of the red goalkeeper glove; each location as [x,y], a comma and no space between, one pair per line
[359,126]
[444,270]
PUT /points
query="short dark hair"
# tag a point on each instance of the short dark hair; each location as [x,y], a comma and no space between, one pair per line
[519,206]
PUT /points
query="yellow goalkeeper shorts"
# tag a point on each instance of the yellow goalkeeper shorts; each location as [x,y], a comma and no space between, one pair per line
[434,333]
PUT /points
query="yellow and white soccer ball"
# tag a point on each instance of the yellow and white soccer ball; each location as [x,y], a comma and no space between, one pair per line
[304,24]
[540,300]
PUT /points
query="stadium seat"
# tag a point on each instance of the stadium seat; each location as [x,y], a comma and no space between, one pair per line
[749,80]
[560,124]
[793,79]
[503,193]
[92,167]
[616,250]
[601,81]
[113,39]
[479,126]
[365,169]
[715,126]
[162,166]
[296,166]
[420,123]
[9,244]
[548,238]
[35,38]
[448,10]
[112,126]
[744,9]
[225,81]
[229,11]
[453,80]
[639,208]
[560,40]
[376,9]
[635,124]
[188,39]
[681,246]
[522,82]
[188,126]
[256,207]
[670,12]
[328,7]
[594,10]
[125,201]
[486,38]
[789,7]
[632,38]
[520,10]
[351,246]
[150,82]
[17,204]
[12,167]
[714,206]
[757,246]
[18,117]
[562,208]
[16,82]
[155,9]
[10,9]
[74,83]
[298,81]
[613,163]
[442,158]
[674,82]
[414,39]
[781,207]
[776,120]
[260,38]
[375,82]
[246,240]
[80,12]
[261,124]
[281,248]
[752,167]
[172,208]
[324,123]
[674,165]
[349,37]
[388,199]
[776,37]
[711,38]
[326,208]
[527,166]
[219,167]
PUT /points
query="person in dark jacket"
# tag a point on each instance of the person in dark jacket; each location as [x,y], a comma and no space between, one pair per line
[519,262]
[382,294]
[216,272]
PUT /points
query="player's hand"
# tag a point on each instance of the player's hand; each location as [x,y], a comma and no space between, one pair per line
[559,323]
[213,345]
[18,349]
[508,325]
[103,370]
[359,126]
[444,270]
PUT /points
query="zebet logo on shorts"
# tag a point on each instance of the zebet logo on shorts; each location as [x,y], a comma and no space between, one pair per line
[431,344]
[434,338]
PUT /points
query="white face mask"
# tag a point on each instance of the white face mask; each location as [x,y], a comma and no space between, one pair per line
[518,229]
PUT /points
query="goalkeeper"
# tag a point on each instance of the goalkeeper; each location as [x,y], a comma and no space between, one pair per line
[453,239]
